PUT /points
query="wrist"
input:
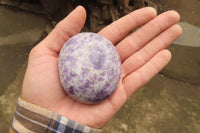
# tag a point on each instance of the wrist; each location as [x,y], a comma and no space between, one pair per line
[31,117]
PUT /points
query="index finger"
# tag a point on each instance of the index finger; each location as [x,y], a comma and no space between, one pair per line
[120,28]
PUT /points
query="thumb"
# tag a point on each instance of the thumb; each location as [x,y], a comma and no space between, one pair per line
[65,29]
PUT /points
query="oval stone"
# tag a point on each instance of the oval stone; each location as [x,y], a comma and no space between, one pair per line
[89,67]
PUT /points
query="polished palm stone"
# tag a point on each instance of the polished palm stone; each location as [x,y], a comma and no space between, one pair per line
[89,67]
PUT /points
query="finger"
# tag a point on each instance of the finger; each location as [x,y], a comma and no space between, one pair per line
[140,77]
[159,43]
[65,29]
[120,28]
[142,36]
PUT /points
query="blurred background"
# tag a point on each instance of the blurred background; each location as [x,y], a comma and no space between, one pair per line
[169,103]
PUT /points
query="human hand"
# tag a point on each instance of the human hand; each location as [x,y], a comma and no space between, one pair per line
[142,55]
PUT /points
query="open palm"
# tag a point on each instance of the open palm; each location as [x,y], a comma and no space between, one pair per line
[142,55]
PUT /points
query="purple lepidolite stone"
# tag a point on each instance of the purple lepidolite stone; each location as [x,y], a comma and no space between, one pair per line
[89,67]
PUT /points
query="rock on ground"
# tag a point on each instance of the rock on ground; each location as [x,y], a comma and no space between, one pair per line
[21,28]
[164,105]
[190,36]
[185,63]
[19,32]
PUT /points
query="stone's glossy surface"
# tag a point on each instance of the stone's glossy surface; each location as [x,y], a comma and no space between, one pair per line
[89,67]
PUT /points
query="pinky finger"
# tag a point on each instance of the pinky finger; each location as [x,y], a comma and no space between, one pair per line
[141,76]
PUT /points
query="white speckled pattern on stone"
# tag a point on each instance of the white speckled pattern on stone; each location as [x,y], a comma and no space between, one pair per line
[89,67]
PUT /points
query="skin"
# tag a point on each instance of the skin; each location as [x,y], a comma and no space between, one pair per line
[142,54]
